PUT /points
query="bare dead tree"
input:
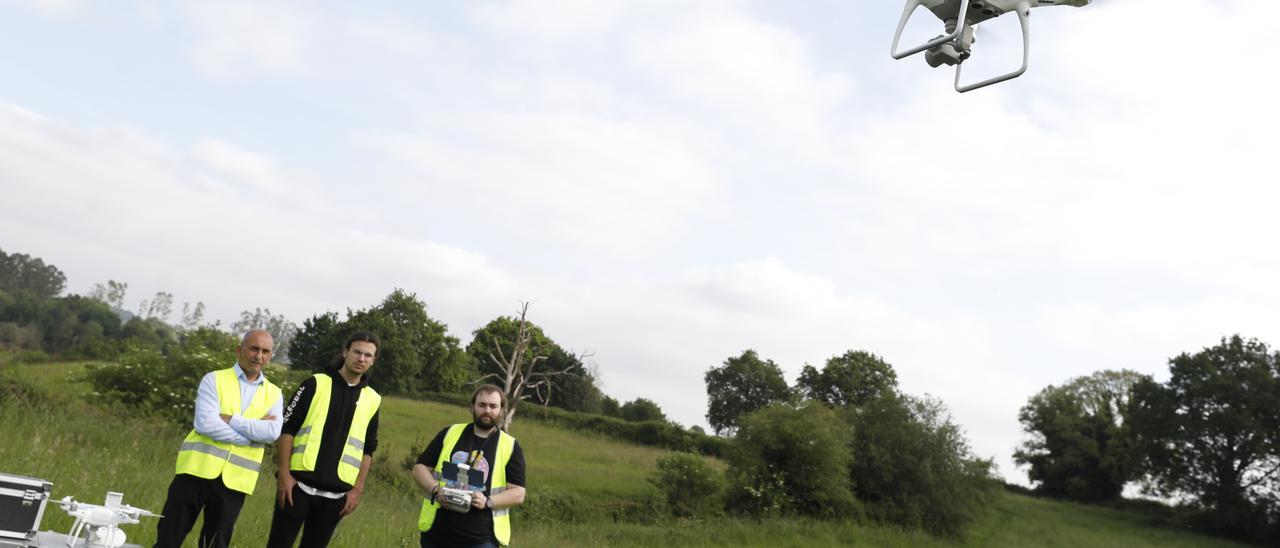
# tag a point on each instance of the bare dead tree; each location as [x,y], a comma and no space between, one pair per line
[519,372]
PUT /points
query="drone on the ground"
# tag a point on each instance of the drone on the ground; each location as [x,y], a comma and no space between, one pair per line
[101,521]
[961,18]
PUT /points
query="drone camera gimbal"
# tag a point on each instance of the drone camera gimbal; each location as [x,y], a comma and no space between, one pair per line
[960,18]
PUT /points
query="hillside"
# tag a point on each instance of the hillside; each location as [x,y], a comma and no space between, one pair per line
[584,490]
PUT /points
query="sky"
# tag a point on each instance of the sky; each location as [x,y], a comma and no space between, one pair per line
[670,182]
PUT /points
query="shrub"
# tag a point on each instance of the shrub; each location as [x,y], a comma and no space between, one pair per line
[912,466]
[32,356]
[163,384]
[15,336]
[691,486]
[791,460]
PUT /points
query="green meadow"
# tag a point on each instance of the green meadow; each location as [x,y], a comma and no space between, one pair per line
[584,490]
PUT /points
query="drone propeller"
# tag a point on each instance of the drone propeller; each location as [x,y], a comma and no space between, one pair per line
[135,511]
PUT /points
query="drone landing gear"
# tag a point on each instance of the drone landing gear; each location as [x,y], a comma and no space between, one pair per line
[953,48]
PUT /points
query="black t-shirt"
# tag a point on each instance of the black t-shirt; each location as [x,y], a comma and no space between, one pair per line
[475,527]
[337,426]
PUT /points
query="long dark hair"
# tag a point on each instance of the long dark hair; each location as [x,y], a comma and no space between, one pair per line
[358,336]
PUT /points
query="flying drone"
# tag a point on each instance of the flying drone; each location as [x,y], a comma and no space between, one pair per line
[961,18]
[101,521]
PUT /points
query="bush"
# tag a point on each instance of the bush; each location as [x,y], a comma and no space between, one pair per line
[15,336]
[789,460]
[642,410]
[154,383]
[32,356]
[553,507]
[912,466]
[691,486]
[20,392]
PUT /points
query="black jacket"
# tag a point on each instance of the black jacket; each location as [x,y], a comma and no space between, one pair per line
[342,408]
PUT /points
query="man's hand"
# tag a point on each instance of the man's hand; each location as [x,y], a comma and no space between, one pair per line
[478,499]
[284,488]
[353,500]
[226,418]
[268,417]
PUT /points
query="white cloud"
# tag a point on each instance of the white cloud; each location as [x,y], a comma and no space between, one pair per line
[550,21]
[233,164]
[56,8]
[610,184]
[135,210]
[764,286]
[754,74]
[247,37]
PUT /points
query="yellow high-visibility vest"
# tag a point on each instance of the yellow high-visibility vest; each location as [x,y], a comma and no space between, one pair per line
[306,443]
[501,517]
[203,457]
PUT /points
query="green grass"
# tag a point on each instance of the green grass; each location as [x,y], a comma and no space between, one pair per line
[584,490]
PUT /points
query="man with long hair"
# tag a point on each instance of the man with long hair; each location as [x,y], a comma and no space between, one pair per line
[326,447]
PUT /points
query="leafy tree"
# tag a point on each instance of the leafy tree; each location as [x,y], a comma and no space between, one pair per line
[851,379]
[21,272]
[610,407]
[741,385]
[912,466]
[416,354]
[81,326]
[1212,432]
[281,329]
[70,325]
[1079,447]
[316,344]
[149,332]
[640,410]
[790,460]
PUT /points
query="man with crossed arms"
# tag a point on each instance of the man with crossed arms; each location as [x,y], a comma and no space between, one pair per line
[237,413]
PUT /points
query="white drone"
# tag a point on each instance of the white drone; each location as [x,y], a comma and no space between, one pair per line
[960,18]
[101,522]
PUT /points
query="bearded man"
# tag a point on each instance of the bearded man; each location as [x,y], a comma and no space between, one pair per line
[483,447]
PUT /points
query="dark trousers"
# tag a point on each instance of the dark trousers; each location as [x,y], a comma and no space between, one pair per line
[188,495]
[428,543]
[318,514]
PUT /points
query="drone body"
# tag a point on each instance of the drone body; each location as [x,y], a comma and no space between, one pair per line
[960,18]
[100,523]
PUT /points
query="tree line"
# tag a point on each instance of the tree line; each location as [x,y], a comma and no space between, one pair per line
[418,356]
[1207,439]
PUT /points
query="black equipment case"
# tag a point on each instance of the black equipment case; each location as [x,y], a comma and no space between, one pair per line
[22,502]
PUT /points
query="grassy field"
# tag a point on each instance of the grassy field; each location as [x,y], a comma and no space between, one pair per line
[583,490]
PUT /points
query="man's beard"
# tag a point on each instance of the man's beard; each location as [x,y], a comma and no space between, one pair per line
[479,421]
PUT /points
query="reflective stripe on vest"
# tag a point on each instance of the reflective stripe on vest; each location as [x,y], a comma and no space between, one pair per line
[306,443]
[238,465]
[498,475]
